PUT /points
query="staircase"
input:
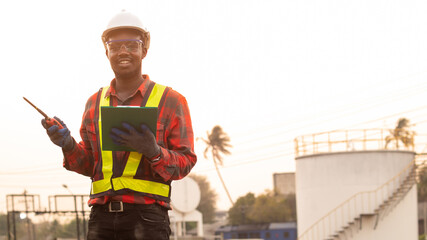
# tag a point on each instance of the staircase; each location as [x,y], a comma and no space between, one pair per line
[366,209]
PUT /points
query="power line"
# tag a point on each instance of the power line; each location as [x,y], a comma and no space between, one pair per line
[291,153]
[283,143]
[339,116]
[22,171]
[29,186]
[249,162]
[32,167]
[29,171]
[368,101]
[275,156]
[386,117]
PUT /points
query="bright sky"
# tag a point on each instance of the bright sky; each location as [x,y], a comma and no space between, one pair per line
[266,71]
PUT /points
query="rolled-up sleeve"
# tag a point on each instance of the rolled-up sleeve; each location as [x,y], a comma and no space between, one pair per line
[177,157]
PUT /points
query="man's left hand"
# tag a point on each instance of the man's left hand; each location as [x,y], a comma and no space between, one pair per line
[144,142]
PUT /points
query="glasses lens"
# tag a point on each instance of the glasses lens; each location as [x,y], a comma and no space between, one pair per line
[131,45]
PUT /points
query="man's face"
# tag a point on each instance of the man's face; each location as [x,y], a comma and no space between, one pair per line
[125,52]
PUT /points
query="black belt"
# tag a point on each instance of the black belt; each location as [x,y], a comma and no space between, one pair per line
[118,206]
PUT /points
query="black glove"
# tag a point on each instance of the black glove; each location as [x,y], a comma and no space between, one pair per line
[144,142]
[60,137]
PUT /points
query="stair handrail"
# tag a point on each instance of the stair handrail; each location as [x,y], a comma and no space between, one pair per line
[348,141]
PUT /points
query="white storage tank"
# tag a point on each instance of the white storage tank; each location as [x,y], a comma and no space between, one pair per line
[351,187]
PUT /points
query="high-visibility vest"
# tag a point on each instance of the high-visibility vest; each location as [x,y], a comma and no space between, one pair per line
[126,182]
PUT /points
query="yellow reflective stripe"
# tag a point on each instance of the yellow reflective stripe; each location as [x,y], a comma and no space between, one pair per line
[103,185]
[132,164]
[141,186]
[135,157]
[155,96]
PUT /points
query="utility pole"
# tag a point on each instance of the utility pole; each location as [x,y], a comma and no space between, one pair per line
[75,210]
[30,236]
[83,215]
[27,207]
[12,235]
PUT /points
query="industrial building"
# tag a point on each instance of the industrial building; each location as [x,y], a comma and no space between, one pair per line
[349,186]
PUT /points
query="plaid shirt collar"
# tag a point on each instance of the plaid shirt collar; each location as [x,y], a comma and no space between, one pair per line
[142,89]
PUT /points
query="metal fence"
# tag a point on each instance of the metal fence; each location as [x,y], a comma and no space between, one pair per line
[353,140]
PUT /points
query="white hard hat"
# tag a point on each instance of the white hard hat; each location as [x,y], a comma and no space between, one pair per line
[126,20]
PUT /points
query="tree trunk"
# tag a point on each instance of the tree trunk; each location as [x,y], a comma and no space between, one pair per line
[222,180]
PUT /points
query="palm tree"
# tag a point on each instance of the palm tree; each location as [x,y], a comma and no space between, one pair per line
[401,133]
[217,143]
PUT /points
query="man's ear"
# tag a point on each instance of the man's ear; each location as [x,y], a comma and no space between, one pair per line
[144,53]
[106,52]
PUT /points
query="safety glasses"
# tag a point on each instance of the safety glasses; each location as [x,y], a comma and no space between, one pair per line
[131,45]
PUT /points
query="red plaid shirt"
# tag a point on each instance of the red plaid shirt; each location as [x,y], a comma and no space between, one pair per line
[177,155]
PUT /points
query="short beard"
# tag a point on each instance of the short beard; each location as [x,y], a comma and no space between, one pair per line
[127,75]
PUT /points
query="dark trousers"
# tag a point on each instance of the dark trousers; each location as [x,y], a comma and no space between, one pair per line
[135,222]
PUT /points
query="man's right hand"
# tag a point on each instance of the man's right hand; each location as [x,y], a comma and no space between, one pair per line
[60,137]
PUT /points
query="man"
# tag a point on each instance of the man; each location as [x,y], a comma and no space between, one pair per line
[130,192]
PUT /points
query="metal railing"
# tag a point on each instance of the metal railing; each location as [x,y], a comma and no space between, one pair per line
[366,202]
[351,140]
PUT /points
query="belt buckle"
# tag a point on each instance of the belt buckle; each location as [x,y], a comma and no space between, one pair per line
[115,210]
